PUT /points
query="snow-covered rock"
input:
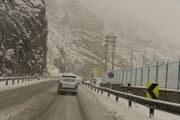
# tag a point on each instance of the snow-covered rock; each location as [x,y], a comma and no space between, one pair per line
[75,37]
[23,37]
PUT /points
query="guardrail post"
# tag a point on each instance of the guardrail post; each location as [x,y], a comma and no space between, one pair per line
[129,91]
[129,104]
[22,80]
[18,81]
[116,98]
[108,94]
[101,91]
[97,90]
[151,112]
[6,82]
[13,82]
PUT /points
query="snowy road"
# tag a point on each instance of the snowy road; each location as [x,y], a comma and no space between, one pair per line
[80,107]
[41,102]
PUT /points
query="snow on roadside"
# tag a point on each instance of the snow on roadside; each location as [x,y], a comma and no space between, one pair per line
[137,112]
[9,113]
[10,86]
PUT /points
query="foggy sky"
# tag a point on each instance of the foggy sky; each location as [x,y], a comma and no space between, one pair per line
[162,16]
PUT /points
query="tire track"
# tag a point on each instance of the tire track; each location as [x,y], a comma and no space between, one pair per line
[25,93]
[82,111]
[44,112]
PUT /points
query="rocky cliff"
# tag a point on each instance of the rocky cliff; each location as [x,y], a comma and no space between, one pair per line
[75,38]
[23,37]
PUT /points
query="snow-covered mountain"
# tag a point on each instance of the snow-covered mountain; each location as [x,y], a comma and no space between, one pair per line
[23,37]
[76,39]
[141,26]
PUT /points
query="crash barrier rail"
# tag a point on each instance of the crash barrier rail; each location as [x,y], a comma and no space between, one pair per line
[167,74]
[26,79]
[150,103]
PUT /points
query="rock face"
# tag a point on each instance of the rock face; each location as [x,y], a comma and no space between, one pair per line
[23,37]
[75,37]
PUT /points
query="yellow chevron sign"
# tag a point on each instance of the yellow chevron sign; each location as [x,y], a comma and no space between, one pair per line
[152,90]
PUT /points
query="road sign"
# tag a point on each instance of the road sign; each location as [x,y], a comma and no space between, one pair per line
[96,72]
[152,90]
[110,74]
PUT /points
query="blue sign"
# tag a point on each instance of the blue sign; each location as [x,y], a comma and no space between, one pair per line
[110,74]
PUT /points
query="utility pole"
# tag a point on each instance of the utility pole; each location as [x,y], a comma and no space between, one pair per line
[110,40]
[106,53]
[113,53]
[50,57]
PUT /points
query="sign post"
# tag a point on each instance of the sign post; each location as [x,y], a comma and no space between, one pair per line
[111,76]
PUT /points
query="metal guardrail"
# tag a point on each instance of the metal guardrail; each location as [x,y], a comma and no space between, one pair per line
[26,79]
[152,104]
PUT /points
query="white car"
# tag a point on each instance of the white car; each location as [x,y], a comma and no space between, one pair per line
[68,84]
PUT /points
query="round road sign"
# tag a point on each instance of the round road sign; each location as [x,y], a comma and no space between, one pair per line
[110,74]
